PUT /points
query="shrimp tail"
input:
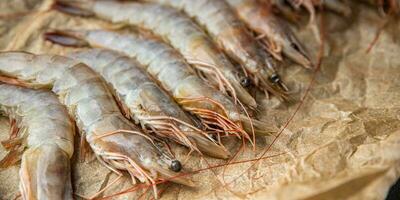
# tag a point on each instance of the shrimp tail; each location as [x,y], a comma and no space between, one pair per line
[66,38]
[79,8]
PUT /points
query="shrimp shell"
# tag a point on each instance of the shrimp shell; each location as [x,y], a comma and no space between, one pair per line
[117,143]
[146,103]
[47,131]
[180,31]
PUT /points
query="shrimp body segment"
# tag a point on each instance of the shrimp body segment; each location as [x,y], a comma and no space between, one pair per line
[180,31]
[47,131]
[116,142]
[274,32]
[146,103]
[228,31]
[171,71]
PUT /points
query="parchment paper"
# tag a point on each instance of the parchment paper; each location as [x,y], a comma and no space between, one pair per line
[343,143]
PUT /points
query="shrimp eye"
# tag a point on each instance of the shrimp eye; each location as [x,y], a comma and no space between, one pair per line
[176,166]
[275,78]
[245,82]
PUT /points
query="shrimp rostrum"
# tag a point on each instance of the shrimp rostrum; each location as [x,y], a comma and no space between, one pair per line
[215,110]
[146,103]
[41,124]
[116,142]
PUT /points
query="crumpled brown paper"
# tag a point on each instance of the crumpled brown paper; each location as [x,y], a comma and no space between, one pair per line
[343,143]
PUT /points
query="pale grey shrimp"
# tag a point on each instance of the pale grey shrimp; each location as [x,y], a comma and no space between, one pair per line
[177,29]
[43,127]
[146,103]
[230,34]
[274,32]
[172,72]
[116,142]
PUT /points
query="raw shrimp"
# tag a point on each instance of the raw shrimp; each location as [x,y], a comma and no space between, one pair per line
[274,32]
[47,131]
[172,72]
[117,143]
[176,28]
[227,30]
[146,103]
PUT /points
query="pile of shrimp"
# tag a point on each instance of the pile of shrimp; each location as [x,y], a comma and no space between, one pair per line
[190,74]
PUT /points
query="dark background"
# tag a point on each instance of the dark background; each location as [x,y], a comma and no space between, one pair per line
[394,192]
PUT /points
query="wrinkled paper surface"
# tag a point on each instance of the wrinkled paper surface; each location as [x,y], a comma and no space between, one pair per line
[343,143]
